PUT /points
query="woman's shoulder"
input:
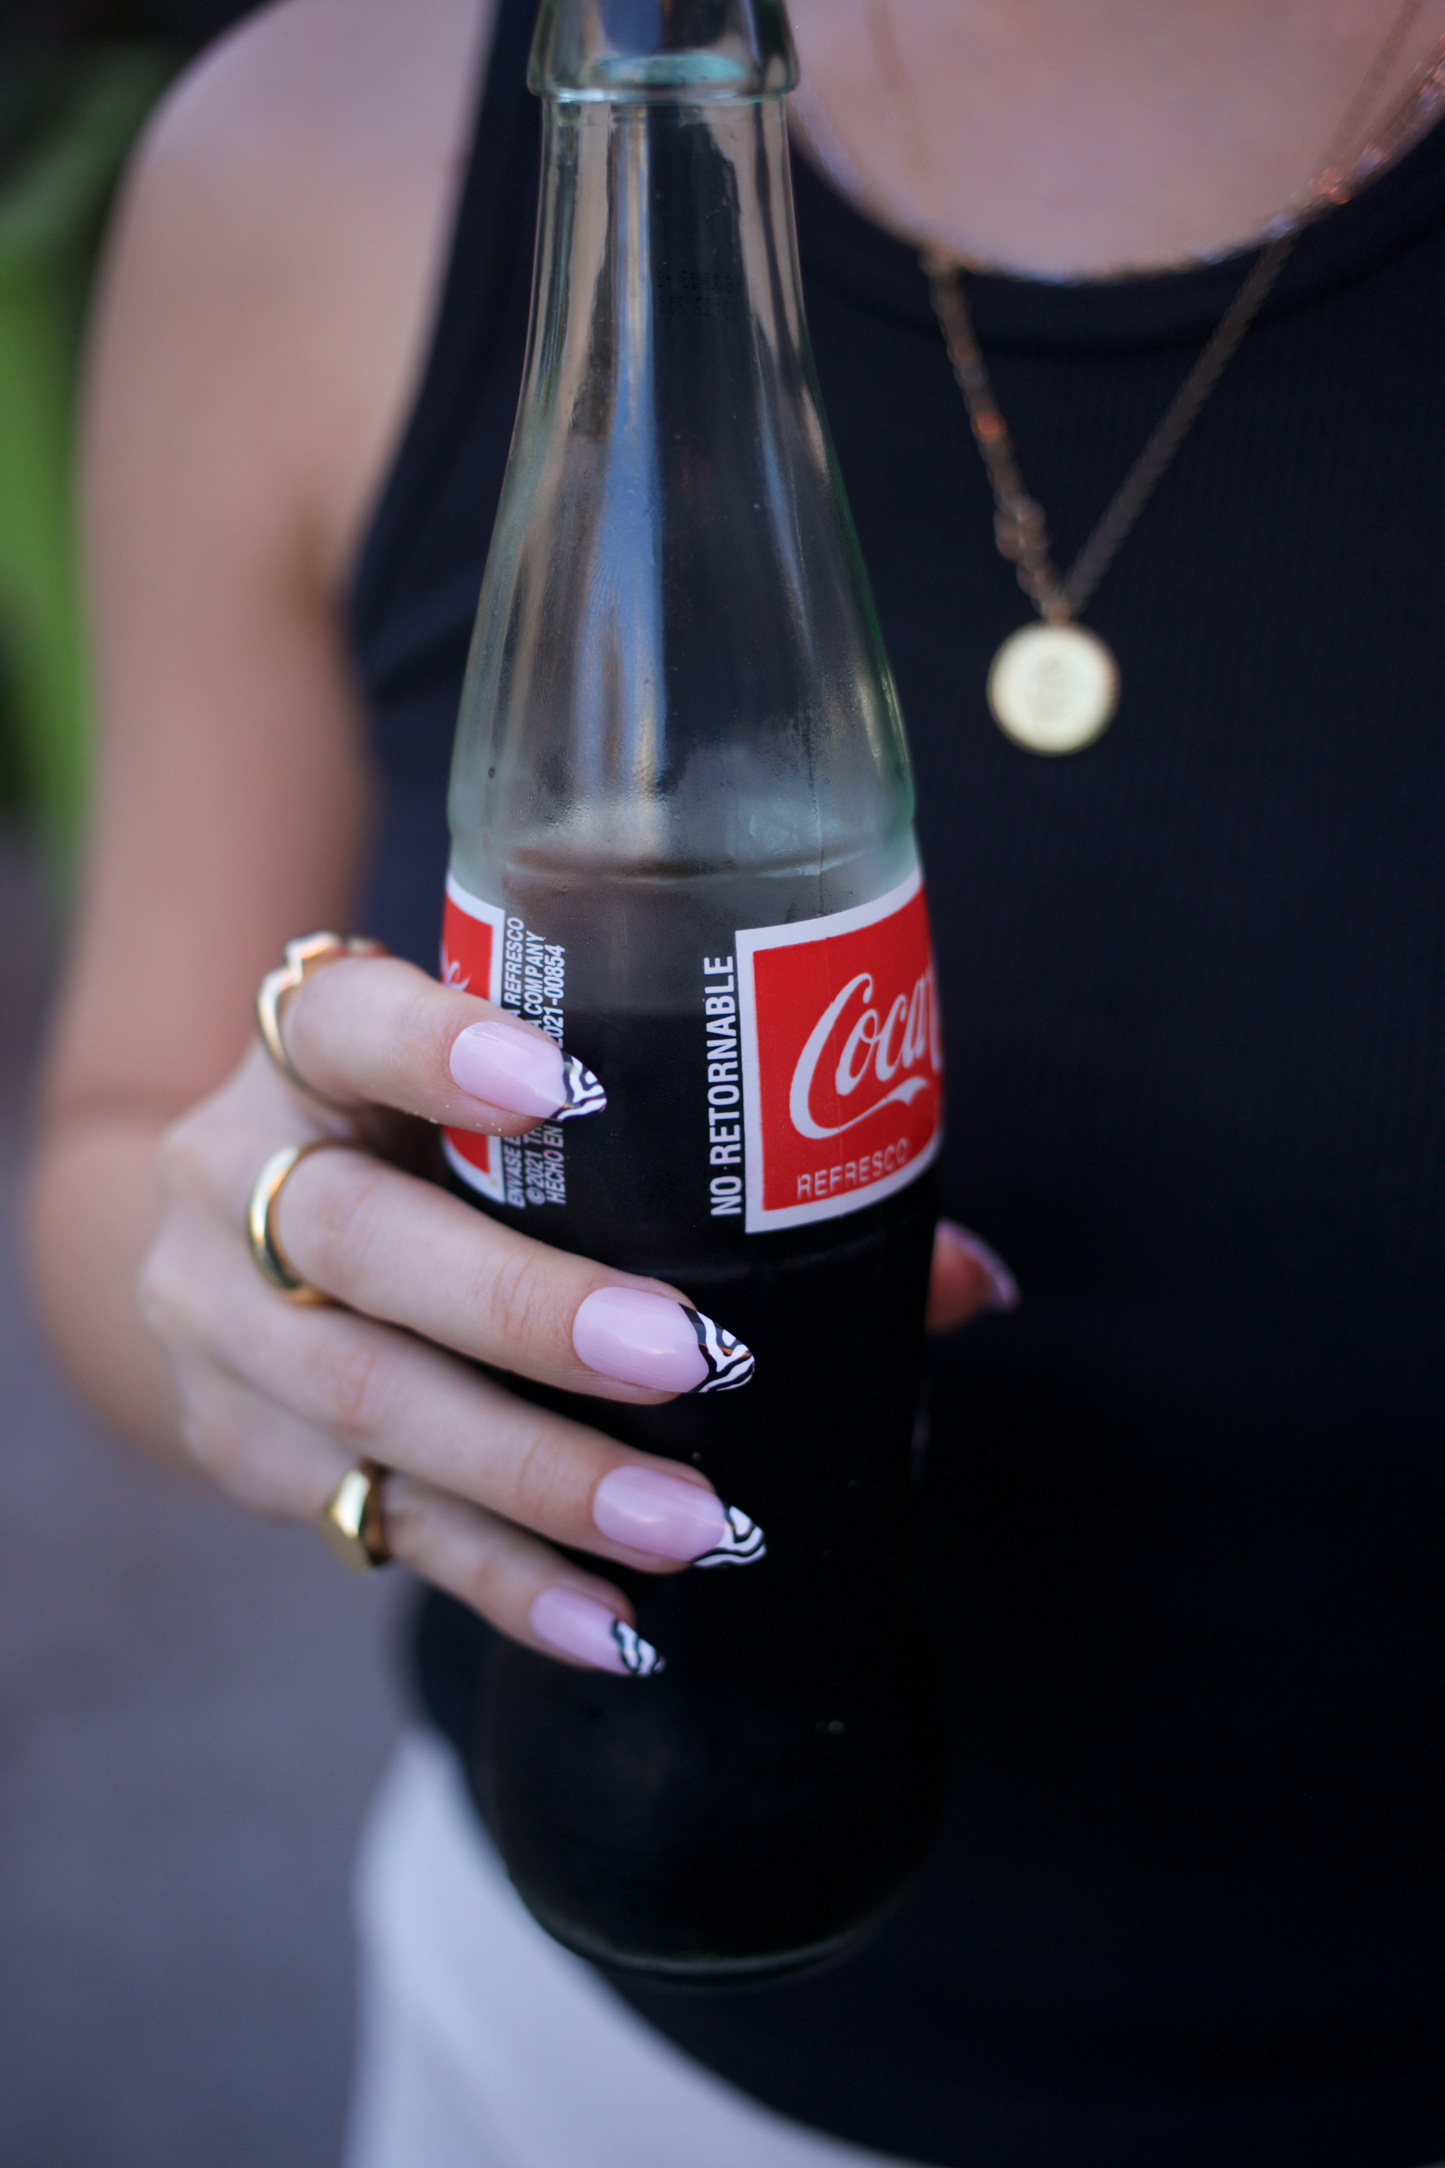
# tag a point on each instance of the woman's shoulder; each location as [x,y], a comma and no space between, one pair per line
[315,103]
[287,214]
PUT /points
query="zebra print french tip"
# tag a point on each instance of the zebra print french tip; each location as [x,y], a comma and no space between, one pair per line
[641,1338]
[591,1633]
[581,1091]
[742,1542]
[639,1657]
[510,1064]
[730,1362]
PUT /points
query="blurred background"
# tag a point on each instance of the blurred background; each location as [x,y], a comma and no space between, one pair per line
[193,1706]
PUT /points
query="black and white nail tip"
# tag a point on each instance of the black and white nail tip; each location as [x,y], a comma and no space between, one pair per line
[582,1094]
[741,1544]
[729,1363]
[639,1656]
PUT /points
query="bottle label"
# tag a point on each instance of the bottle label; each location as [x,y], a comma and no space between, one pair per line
[842,1059]
[494,953]
[824,1058]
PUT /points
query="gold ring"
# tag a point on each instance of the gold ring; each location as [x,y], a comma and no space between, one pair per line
[350,1520]
[274,1266]
[302,957]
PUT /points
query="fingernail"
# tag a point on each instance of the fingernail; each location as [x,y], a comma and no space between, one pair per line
[512,1066]
[741,1543]
[641,1339]
[576,1626]
[671,1519]
[1003,1290]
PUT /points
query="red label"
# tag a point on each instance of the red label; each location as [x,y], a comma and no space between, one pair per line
[842,1059]
[472,940]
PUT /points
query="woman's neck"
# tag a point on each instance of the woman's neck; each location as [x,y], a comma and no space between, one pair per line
[1083,137]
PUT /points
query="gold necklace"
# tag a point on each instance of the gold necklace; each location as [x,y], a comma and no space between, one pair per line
[1053,686]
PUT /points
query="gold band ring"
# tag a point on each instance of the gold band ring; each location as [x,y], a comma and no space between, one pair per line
[350,1520]
[274,1266]
[302,957]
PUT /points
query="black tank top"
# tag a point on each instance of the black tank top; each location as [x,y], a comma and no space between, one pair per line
[1189,1905]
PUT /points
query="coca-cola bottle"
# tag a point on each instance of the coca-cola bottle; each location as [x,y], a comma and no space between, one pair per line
[681,814]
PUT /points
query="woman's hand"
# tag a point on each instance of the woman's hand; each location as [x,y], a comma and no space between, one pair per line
[278,1401]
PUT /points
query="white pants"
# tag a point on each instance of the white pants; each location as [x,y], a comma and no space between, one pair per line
[484,2044]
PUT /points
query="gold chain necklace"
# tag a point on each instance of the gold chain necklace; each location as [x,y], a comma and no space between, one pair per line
[1053,686]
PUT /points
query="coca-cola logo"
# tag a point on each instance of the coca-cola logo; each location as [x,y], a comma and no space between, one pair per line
[873,1046]
[842,1058]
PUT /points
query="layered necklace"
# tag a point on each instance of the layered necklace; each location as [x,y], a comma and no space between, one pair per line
[1053,685]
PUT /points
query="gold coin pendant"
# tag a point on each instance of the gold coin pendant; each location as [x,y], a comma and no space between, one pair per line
[1053,688]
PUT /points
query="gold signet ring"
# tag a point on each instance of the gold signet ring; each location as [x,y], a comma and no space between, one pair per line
[274,1266]
[350,1520]
[301,958]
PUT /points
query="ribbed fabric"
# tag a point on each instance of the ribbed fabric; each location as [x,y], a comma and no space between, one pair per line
[1188,1502]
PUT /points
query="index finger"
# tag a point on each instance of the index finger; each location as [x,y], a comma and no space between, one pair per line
[372,1030]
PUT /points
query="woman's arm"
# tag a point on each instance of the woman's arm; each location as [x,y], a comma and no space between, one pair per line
[252,361]
[262,314]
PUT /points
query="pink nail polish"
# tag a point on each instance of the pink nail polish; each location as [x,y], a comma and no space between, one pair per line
[658,1514]
[512,1066]
[1003,1292]
[641,1339]
[576,1626]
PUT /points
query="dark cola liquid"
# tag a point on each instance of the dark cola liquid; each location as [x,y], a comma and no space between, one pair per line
[760,1803]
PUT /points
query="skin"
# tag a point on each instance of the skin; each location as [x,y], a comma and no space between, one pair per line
[262,319]
[1085,137]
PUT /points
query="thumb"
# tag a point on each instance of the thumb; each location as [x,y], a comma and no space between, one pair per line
[967,1278]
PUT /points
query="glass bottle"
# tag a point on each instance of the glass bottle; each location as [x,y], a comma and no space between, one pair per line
[682,835]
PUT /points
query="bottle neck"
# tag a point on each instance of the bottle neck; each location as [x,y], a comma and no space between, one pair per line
[666,264]
[675,650]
